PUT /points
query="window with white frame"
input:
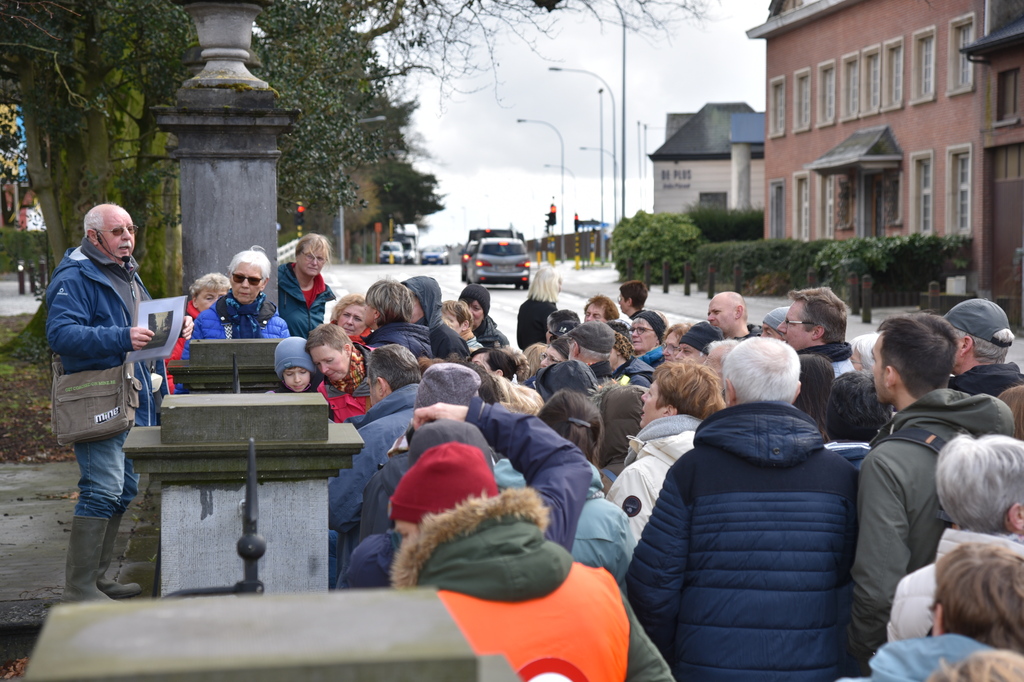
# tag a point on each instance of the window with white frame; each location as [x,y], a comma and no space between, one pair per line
[872,97]
[961,70]
[922,207]
[777,209]
[778,106]
[851,86]
[958,164]
[826,93]
[892,74]
[924,66]
[802,100]
[828,207]
[802,206]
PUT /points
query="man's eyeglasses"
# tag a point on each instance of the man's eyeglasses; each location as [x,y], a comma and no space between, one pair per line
[238,279]
[119,230]
[319,260]
[639,330]
[789,322]
[673,349]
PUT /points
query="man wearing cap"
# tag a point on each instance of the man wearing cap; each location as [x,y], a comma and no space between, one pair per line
[693,345]
[816,323]
[571,375]
[394,377]
[728,312]
[647,332]
[486,331]
[984,335]
[560,323]
[770,323]
[591,343]
[511,591]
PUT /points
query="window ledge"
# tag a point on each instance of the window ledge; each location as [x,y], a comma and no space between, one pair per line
[869,112]
[962,90]
[777,134]
[1007,122]
[826,124]
[892,107]
[802,129]
[849,117]
[924,99]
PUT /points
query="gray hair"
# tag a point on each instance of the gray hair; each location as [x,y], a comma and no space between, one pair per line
[864,345]
[97,216]
[212,281]
[762,369]
[978,480]
[391,299]
[254,256]
[546,285]
[394,364]
[986,352]
[587,356]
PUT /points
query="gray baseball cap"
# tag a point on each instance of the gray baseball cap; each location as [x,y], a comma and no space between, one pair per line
[980,317]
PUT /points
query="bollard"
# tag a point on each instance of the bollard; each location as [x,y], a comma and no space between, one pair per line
[647,274]
[711,281]
[737,278]
[578,251]
[812,277]
[21,278]
[629,269]
[854,286]
[865,299]
[32,277]
[687,277]
[666,272]
[43,273]
[933,296]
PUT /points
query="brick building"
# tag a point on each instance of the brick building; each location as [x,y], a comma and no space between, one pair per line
[887,117]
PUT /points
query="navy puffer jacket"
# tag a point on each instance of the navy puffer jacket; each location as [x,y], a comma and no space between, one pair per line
[743,571]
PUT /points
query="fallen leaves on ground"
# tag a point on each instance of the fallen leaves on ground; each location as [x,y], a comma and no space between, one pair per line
[14,668]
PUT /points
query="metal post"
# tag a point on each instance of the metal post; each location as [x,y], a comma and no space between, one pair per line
[865,295]
[737,278]
[629,269]
[647,274]
[854,284]
[687,277]
[32,277]
[711,280]
[812,277]
[21,278]
[666,272]
[43,274]
[933,296]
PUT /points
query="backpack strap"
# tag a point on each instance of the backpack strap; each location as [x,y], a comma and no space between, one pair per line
[929,440]
[611,476]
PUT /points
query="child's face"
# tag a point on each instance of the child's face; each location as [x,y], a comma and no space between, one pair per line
[450,321]
[206,298]
[296,379]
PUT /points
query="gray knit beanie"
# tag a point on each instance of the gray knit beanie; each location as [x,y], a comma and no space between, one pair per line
[291,352]
[447,382]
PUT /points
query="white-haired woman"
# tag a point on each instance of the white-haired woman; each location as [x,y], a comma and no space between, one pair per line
[245,312]
[540,302]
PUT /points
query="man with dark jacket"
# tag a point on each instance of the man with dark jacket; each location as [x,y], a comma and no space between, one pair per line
[92,303]
[394,377]
[392,306]
[984,336]
[742,568]
[591,343]
[897,504]
[426,311]
[484,329]
[816,323]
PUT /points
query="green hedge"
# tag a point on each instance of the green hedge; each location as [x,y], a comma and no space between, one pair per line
[656,238]
[771,267]
[22,245]
[727,225]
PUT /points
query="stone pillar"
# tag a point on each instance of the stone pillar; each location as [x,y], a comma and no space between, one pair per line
[227,127]
[739,198]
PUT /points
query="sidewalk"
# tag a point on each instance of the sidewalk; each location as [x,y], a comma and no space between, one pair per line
[12,303]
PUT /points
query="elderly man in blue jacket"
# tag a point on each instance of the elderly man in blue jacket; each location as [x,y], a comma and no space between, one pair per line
[743,571]
[92,324]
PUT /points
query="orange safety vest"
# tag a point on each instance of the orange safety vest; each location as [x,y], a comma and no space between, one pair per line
[580,631]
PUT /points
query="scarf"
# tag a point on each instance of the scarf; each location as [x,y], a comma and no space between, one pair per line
[356,373]
[835,352]
[244,318]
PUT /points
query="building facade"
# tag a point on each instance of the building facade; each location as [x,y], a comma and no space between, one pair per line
[880,122]
[701,164]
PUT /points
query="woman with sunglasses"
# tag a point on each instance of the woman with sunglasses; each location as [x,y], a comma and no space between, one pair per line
[302,293]
[245,312]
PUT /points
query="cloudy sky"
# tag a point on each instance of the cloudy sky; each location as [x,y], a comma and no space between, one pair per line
[492,170]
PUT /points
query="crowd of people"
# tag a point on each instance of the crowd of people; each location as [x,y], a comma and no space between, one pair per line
[625,498]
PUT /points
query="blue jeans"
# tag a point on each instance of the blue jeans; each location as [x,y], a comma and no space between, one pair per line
[108,483]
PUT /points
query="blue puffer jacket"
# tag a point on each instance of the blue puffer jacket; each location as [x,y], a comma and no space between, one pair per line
[210,324]
[88,325]
[379,427]
[415,337]
[292,302]
[740,572]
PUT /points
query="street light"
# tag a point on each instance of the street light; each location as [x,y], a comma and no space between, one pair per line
[604,151]
[612,96]
[561,143]
[339,236]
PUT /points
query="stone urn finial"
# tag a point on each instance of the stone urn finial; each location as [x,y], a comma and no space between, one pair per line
[225,35]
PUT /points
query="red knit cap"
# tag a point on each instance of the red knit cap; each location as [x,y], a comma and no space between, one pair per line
[441,478]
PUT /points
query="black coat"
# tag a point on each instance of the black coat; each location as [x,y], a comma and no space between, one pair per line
[532,326]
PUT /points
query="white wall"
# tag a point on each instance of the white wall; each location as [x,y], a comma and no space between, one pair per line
[677,184]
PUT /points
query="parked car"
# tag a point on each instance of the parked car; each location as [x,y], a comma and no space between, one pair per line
[389,249]
[499,261]
[467,252]
[434,255]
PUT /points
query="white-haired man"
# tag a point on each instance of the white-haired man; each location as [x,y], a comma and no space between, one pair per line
[984,335]
[743,564]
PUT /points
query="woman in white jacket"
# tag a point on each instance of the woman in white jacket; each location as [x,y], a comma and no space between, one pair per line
[981,487]
[682,394]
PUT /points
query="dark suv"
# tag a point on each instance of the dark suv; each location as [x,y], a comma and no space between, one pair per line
[499,261]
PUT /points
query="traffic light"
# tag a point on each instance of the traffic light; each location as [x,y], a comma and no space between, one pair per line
[552,217]
[576,222]
[300,215]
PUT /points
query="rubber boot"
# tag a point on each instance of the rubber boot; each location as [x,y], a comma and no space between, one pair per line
[83,563]
[112,589]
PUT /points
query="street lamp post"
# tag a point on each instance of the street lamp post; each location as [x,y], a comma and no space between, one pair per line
[611,95]
[561,143]
[611,154]
[340,234]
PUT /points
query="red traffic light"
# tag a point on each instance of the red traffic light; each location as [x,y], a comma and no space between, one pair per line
[300,208]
